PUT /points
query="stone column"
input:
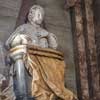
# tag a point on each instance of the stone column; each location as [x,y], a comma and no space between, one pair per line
[17,53]
[85,49]
[81,52]
[91,50]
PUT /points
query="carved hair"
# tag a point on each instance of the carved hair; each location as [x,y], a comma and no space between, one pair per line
[37,7]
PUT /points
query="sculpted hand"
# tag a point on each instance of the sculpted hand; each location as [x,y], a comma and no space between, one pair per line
[20,39]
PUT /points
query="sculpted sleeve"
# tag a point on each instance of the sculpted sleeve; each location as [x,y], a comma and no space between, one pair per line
[19,30]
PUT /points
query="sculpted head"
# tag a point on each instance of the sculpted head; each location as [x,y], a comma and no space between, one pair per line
[36,14]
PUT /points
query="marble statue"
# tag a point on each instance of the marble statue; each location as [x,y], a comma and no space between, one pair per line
[34,48]
[32,29]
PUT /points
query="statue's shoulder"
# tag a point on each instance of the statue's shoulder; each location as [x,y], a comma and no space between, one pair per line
[23,26]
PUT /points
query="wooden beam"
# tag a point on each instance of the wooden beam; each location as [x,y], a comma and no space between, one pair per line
[86,58]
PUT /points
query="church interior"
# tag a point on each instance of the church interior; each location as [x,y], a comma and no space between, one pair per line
[76,25]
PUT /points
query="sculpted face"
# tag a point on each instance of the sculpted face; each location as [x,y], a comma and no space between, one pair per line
[36,15]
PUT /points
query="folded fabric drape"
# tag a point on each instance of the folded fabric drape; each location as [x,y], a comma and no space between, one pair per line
[47,69]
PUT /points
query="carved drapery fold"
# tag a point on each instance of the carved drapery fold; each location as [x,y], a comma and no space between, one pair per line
[47,69]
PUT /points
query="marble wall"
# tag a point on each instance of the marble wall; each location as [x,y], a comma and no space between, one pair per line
[8,14]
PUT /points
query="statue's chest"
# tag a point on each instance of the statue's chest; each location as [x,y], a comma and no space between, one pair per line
[35,31]
[35,35]
[32,32]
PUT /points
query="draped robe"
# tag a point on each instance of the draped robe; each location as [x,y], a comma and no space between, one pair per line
[47,69]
